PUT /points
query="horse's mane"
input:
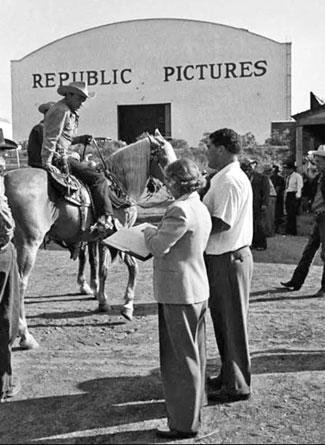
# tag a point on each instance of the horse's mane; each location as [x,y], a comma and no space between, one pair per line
[131,166]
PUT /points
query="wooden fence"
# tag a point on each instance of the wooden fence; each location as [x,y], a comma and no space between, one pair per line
[15,159]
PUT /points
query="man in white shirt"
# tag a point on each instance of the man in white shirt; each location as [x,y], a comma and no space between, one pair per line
[294,184]
[229,265]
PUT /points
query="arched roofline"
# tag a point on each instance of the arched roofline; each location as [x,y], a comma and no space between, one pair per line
[146,20]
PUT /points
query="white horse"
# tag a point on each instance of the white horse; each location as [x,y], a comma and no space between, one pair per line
[38,210]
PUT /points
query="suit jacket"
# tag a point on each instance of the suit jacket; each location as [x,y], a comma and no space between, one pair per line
[34,146]
[261,190]
[178,244]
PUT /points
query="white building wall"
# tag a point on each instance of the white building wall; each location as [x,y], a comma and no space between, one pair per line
[6,127]
[246,99]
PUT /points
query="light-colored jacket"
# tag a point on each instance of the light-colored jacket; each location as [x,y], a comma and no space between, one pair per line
[60,126]
[178,244]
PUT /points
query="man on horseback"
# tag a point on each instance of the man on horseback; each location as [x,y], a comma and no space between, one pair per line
[60,125]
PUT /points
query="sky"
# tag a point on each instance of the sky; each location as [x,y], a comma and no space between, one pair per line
[27,25]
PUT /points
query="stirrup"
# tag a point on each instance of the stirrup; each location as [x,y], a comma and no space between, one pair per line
[104,227]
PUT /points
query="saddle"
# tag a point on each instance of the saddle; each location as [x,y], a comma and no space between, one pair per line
[70,188]
[64,184]
[77,193]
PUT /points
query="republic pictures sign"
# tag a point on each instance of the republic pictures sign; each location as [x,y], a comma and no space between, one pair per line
[178,73]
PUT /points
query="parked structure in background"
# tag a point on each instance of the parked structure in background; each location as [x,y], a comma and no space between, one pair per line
[310,128]
[168,69]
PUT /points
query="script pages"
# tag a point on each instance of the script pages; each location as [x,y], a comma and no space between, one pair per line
[131,241]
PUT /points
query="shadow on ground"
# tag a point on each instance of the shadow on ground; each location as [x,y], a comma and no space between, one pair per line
[273,361]
[105,403]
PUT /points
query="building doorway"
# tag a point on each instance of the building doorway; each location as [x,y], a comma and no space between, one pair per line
[134,120]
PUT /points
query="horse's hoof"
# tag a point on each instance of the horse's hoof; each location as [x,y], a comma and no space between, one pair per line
[127,313]
[85,289]
[31,343]
[104,307]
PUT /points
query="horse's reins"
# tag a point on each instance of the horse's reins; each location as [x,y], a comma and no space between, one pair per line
[155,149]
[94,142]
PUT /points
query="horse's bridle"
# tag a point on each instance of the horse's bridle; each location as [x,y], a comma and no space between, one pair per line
[156,149]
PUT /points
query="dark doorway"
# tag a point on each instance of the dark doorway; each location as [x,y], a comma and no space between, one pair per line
[134,120]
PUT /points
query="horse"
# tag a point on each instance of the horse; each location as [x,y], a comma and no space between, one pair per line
[93,249]
[38,210]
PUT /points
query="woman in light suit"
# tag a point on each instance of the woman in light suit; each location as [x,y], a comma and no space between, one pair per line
[181,289]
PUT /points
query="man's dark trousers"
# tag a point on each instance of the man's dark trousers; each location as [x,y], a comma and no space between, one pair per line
[291,204]
[301,271]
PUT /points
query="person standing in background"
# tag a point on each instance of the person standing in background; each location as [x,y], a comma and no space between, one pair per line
[229,265]
[270,209]
[308,175]
[9,291]
[279,185]
[261,195]
[35,140]
[294,184]
[317,236]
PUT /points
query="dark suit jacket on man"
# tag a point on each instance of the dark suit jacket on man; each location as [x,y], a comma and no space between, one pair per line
[261,190]
[34,146]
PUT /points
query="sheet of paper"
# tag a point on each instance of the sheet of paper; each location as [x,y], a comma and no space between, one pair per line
[130,240]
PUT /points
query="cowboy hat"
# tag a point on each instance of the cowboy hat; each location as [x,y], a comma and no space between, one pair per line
[6,144]
[319,152]
[289,164]
[246,161]
[44,108]
[79,88]
[267,169]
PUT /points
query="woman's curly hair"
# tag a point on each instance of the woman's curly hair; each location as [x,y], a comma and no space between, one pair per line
[186,175]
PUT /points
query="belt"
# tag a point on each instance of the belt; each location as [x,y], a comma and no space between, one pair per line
[233,252]
[238,250]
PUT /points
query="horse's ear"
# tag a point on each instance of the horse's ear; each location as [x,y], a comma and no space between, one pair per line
[159,136]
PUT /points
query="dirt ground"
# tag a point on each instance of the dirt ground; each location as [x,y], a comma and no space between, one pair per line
[95,378]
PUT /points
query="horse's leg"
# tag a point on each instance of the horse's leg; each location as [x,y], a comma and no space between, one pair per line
[128,307]
[81,277]
[93,264]
[104,259]
[26,256]
[84,287]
